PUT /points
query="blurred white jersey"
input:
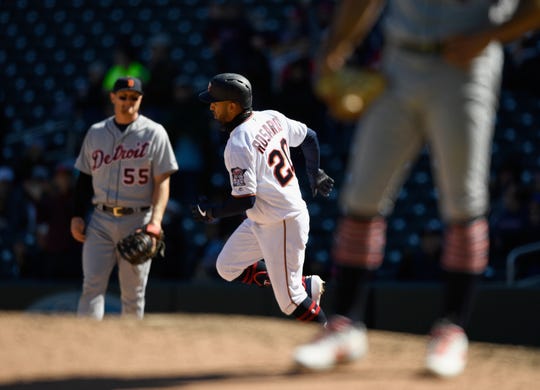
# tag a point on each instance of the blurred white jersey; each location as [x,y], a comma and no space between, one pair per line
[258,159]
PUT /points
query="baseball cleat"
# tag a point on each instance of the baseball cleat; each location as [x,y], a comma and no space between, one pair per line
[340,342]
[314,286]
[447,349]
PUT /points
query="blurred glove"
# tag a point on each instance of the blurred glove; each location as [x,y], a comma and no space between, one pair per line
[350,91]
[321,183]
[202,211]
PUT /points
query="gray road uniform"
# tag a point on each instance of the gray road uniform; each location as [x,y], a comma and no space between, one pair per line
[443,62]
[429,101]
[122,166]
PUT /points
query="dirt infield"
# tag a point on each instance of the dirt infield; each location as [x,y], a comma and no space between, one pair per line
[188,351]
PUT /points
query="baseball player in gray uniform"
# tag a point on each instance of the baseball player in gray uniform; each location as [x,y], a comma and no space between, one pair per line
[125,165]
[264,186]
[443,61]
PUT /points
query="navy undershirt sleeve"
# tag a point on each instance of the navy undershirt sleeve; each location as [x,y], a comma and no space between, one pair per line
[311,150]
[232,206]
[84,191]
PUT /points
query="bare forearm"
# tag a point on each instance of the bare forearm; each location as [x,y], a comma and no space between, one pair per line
[352,21]
[460,50]
[526,19]
[160,198]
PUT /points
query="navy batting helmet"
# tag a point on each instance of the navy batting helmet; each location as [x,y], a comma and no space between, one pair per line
[228,86]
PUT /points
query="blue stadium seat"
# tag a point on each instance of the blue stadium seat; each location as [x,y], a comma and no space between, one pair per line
[38,112]
[145,15]
[105,3]
[398,224]
[28,96]
[329,224]
[127,27]
[60,16]
[40,69]
[88,16]
[314,209]
[49,84]
[116,15]
[527,119]
[31,16]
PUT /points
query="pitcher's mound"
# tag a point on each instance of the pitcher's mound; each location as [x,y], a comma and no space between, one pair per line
[188,351]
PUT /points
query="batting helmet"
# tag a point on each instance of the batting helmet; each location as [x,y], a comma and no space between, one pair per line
[228,86]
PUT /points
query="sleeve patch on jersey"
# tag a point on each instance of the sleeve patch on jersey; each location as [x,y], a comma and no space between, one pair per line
[237,175]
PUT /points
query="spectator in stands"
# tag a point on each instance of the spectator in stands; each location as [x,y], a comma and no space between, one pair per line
[14,222]
[217,234]
[196,148]
[299,34]
[297,86]
[529,264]
[177,243]
[35,189]
[91,101]
[238,47]
[159,91]
[57,251]
[33,154]
[5,123]
[125,63]
[508,224]
[535,188]
[292,42]
[506,175]
[206,267]
[523,62]
[423,263]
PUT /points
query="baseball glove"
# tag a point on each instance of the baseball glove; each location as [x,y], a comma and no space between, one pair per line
[349,91]
[138,247]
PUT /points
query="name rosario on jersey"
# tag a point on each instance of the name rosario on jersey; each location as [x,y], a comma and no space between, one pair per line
[265,134]
[99,157]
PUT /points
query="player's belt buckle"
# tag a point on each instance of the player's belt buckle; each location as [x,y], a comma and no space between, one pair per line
[117,211]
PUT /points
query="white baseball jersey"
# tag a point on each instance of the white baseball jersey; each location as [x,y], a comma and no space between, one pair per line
[123,164]
[257,157]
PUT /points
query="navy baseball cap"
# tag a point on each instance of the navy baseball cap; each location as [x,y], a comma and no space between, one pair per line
[128,84]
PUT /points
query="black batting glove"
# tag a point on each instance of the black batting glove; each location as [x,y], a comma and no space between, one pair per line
[321,183]
[202,211]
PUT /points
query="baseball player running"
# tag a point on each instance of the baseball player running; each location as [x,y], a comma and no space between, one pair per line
[265,187]
[125,164]
[443,63]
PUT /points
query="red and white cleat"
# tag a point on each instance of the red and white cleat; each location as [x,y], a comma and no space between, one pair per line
[447,349]
[340,342]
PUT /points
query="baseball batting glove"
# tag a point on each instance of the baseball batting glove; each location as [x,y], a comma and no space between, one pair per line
[321,183]
[138,247]
[202,211]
